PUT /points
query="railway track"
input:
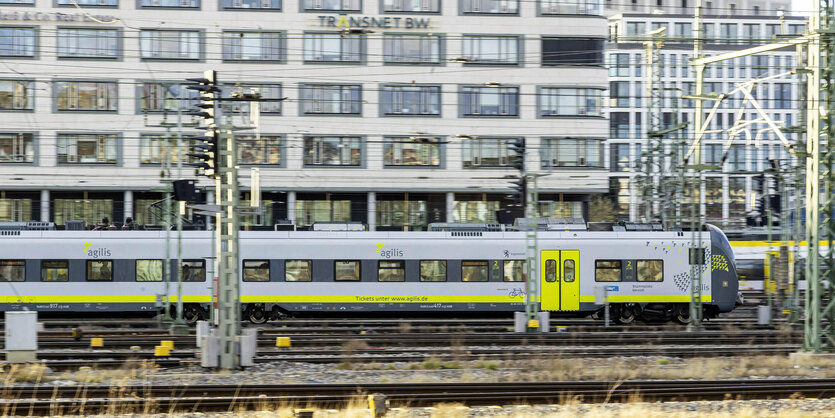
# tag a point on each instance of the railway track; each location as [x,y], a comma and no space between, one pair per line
[45,400]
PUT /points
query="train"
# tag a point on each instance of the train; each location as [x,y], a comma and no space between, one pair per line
[644,274]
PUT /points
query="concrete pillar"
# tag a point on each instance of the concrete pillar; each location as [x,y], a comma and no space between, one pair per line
[291,206]
[372,211]
[128,206]
[450,207]
[45,206]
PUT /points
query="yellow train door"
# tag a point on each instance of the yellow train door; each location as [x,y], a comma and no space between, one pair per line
[569,280]
[549,286]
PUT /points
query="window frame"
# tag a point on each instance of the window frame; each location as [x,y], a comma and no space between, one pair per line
[551,95]
[309,263]
[136,270]
[304,9]
[202,263]
[505,264]
[358,270]
[438,4]
[401,268]
[592,8]
[26,142]
[118,43]
[28,96]
[68,3]
[221,4]
[88,270]
[317,151]
[260,266]
[424,147]
[472,146]
[619,269]
[598,60]
[463,10]
[638,270]
[66,136]
[468,42]
[421,269]
[226,38]
[486,267]
[200,44]
[320,37]
[107,90]
[397,92]
[35,42]
[22,268]
[504,95]
[67,268]
[315,95]
[392,41]
[552,160]
[140,6]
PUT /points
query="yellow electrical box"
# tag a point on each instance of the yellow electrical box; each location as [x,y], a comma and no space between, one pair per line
[96,342]
[282,341]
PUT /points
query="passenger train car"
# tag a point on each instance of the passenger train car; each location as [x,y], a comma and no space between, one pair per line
[646,274]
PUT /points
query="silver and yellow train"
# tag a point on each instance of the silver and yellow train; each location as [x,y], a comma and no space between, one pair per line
[646,273]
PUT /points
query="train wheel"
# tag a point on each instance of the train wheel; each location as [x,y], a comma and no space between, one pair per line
[625,315]
[683,315]
[257,314]
[192,314]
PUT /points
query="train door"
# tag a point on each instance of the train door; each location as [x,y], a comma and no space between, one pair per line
[559,283]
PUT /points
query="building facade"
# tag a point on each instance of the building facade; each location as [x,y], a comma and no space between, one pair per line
[730,187]
[397,112]
[718,8]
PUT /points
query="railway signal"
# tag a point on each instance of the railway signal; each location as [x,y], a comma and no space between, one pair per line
[205,150]
[516,159]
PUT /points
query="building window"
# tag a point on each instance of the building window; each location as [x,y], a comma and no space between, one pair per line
[159,97]
[469,211]
[272,92]
[751,33]
[489,101]
[569,102]
[635,30]
[411,100]
[727,33]
[391,271]
[571,7]
[17,95]
[561,209]
[330,99]
[297,270]
[89,3]
[179,4]
[156,149]
[99,270]
[433,270]
[252,4]
[17,42]
[783,96]
[15,210]
[12,270]
[55,271]
[311,211]
[399,213]
[332,47]
[411,49]
[571,152]
[252,46]
[620,158]
[265,149]
[414,6]
[346,270]
[618,65]
[490,6]
[485,152]
[86,95]
[88,43]
[682,32]
[412,151]
[491,49]
[572,51]
[17,148]
[89,210]
[148,270]
[619,94]
[17,2]
[256,271]
[336,5]
[475,271]
[86,149]
[170,44]
[619,124]
[332,151]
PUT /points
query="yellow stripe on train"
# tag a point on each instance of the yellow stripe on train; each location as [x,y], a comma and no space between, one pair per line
[772,243]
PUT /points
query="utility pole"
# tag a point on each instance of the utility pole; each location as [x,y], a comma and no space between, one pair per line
[655,147]
[820,163]
[697,252]
[526,196]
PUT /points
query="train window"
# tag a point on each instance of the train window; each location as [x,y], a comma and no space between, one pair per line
[650,270]
[346,270]
[568,271]
[12,271]
[297,270]
[149,270]
[99,270]
[433,270]
[474,271]
[697,256]
[193,270]
[550,271]
[607,270]
[514,270]
[256,271]
[55,271]
[391,271]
